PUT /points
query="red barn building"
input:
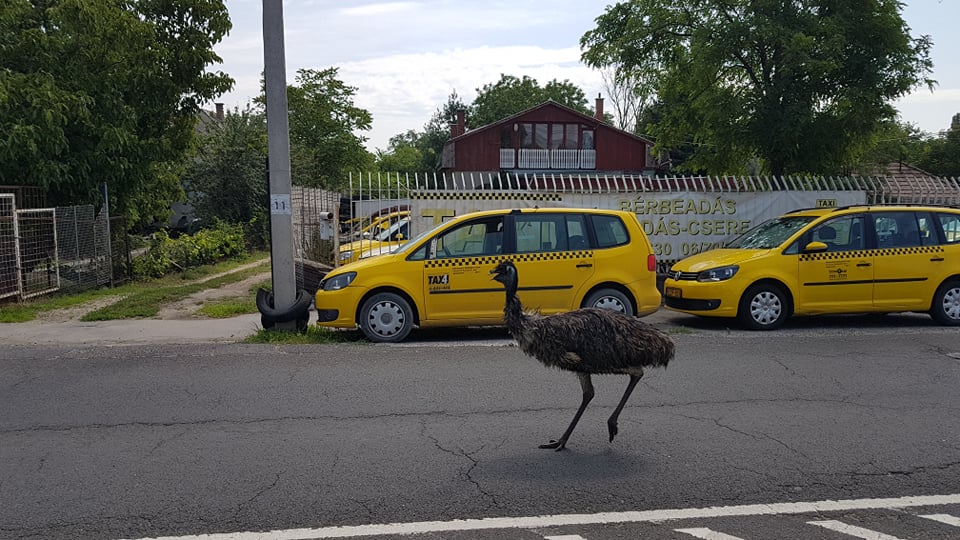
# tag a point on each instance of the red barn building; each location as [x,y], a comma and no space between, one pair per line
[547,139]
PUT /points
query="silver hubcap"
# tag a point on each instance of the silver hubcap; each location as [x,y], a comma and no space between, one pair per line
[765,308]
[611,303]
[386,319]
[951,303]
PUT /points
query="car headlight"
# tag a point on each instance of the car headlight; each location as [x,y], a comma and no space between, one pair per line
[338,281]
[346,255]
[718,274]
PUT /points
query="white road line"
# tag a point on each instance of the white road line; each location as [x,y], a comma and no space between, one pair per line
[851,530]
[565,537]
[423,527]
[944,518]
[707,534]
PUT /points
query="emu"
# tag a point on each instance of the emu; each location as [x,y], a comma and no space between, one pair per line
[586,341]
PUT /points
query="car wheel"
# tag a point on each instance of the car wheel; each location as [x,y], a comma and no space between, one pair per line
[609,299]
[386,318]
[946,304]
[763,307]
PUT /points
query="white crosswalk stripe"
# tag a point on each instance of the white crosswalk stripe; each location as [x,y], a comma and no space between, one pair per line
[944,518]
[565,537]
[852,530]
[707,534]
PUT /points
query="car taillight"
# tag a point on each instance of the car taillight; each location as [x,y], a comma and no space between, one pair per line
[652,262]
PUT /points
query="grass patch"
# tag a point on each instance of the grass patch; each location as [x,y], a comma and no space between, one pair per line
[313,335]
[229,307]
[146,302]
[25,312]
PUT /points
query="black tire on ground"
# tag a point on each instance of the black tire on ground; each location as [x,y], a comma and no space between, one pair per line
[610,299]
[763,307]
[945,308]
[386,318]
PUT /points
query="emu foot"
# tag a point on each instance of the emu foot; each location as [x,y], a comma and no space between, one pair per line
[555,445]
[612,427]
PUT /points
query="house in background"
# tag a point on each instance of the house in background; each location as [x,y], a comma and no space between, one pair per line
[549,139]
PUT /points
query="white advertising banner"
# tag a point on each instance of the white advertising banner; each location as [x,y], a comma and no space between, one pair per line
[679,224]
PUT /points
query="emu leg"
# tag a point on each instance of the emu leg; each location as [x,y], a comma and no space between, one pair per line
[612,421]
[587,385]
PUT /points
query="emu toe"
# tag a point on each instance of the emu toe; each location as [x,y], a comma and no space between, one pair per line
[612,427]
[555,445]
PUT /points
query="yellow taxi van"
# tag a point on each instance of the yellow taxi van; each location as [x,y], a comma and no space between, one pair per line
[857,259]
[567,258]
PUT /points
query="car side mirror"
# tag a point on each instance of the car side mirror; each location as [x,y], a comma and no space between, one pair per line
[814,247]
[399,236]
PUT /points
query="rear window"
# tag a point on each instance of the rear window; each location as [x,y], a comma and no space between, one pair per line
[950,225]
[610,231]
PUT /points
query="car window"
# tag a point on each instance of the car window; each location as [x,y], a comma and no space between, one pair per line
[897,229]
[577,237]
[841,234]
[950,226]
[610,231]
[474,238]
[540,232]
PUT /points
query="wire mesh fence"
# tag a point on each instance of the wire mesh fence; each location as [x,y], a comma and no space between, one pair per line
[69,249]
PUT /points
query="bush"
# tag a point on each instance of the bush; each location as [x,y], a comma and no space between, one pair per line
[207,246]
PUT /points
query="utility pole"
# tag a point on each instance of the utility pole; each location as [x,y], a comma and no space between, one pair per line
[278,150]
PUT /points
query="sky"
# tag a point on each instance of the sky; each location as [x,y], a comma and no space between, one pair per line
[405,58]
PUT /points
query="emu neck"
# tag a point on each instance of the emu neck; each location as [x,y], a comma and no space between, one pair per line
[513,314]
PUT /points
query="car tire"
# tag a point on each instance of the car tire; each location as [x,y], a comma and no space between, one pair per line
[763,307]
[386,318]
[946,304]
[610,299]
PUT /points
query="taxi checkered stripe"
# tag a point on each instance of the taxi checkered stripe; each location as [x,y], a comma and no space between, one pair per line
[518,258]
[833,255]
[486,196]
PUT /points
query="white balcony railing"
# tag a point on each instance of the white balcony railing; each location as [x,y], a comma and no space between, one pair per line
[536,158]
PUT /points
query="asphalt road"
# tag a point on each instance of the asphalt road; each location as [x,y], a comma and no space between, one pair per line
[180,440]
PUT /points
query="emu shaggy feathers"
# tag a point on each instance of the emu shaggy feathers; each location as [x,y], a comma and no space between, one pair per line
[587,341]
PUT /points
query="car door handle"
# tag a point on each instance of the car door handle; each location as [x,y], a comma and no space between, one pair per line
[863,264]
[585,265]
[936,259]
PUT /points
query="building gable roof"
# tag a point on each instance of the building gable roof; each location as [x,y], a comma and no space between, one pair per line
[585,118]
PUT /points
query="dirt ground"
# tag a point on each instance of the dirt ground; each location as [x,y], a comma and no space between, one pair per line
[184,309]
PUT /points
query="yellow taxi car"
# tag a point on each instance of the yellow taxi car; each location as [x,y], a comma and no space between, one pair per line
[857,259]
[383,242]
[568,258]
[381,223]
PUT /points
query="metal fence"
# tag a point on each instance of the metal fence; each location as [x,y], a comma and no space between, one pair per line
[371,194]
[43,250]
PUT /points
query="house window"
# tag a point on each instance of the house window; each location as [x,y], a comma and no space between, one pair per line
[506,138]
[534,135]
[588,139]
[572,140]
[540,135]
[556,136]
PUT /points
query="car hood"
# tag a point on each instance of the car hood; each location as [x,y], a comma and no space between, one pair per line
[716,258]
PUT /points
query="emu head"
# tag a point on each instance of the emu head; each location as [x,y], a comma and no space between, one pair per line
[506,273]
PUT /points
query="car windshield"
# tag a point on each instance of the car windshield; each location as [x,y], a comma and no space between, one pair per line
[406,245]
[385,235]
[770,234]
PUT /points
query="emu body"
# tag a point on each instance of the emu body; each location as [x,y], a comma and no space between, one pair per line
[587,341]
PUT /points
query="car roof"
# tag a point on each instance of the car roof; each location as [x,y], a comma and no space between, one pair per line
[852,209]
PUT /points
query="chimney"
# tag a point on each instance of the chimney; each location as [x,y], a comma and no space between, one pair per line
[599,108]
[460,127]
[220,111]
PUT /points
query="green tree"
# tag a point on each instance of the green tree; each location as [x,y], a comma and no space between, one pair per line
[96,91]
[797,84]
[324,146]
[511,95]
[942,158]
[226,179]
